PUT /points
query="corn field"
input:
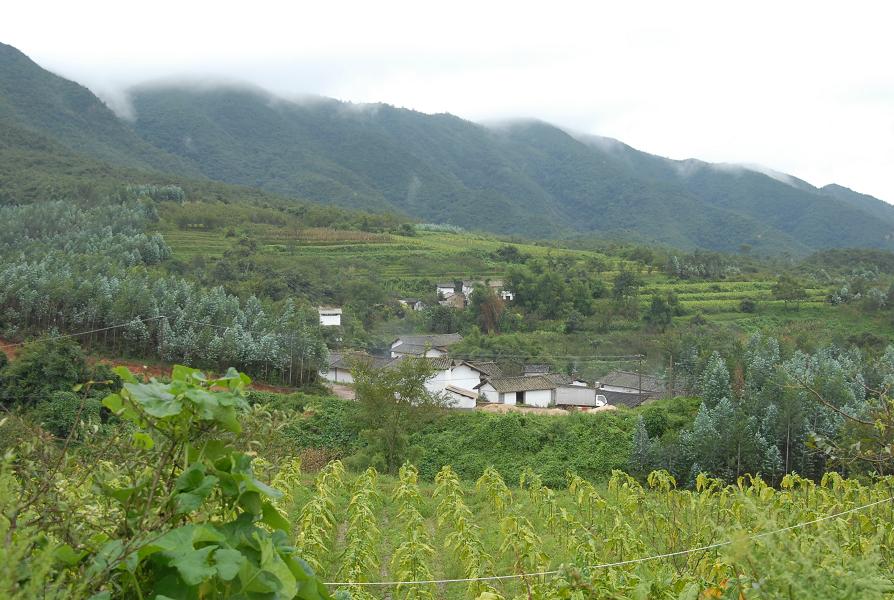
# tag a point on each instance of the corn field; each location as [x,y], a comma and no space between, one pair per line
[523,540]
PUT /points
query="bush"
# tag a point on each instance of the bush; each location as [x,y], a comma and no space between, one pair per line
[58,414]
[41,368]
[748,305]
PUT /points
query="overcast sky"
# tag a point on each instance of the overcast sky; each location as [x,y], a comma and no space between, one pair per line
[801,87]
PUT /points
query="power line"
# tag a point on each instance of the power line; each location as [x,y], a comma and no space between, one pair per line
[612,564]
[80,333]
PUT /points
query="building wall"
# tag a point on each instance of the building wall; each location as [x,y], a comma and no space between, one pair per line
[338,376]
[330,320]
[464,377]
[436,383]
[459,401]
[490,394]
[539,398]
[575,396]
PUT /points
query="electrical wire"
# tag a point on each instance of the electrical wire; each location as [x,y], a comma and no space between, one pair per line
[80,333]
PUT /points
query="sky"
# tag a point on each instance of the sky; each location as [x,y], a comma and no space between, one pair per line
[805,88]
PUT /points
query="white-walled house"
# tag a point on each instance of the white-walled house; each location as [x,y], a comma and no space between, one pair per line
[412,303]
[424,345]
[341,363]
[534,390]
[330,316]
[445,289]
[540,391]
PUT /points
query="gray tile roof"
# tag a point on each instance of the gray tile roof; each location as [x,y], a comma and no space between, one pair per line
[631,380]
[624,399]
[461,391]
[489,368]
[559,378]
[418,344]
[519,384]
[537,369]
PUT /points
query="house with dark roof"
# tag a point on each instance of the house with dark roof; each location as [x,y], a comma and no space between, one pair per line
[627,388]
[540,391]
[341,363]
[532,390]
[424,345]
[412,303]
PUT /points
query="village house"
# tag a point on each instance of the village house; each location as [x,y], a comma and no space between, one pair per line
[443,289]
[626,388]
[424,345]
[330,316]
[412,303]
[454,300]
[341,363]
[540,391]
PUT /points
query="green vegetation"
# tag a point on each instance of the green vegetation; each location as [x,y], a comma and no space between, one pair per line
[526,178]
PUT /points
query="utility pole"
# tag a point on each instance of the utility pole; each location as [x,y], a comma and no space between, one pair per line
[639,372]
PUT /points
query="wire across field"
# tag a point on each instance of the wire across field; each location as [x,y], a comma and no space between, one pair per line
[462,540]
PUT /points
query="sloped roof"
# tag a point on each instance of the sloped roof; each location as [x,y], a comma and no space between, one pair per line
[417,344]
[438,363]
[519,384]
[559,378]
[488,368]
[629,379]
[625,399]
[461,391]
[537,369]
[347,360]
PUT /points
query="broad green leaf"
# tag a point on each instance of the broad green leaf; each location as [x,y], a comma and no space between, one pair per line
[125,374]
[192,564]
[228,563]
[68,555]
[154,398]
[272,563]
[273,517]
[690,592]
[143,440]
[184,373]
[193,487]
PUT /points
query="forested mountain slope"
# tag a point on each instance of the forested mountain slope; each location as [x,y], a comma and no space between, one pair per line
[528,178]
[38,101]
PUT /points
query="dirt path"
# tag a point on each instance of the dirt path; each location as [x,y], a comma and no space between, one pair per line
[343,391]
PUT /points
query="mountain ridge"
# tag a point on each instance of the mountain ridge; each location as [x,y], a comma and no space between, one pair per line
[524,177]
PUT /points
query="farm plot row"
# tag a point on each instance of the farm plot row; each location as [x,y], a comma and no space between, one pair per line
[373,529]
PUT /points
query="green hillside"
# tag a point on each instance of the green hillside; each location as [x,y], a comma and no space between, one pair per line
[529,178]
[525,178]
[71,115]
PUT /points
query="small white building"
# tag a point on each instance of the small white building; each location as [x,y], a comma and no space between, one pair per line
[341,363]
[330,316]
[412,303]
[535,390]
[507,295]
[458,397]
[452,379]
[445,289]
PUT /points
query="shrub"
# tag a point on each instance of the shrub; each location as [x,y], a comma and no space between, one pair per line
[59,413]
[42,367]
[747,305]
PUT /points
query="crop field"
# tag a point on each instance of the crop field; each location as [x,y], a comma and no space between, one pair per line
[374,529]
